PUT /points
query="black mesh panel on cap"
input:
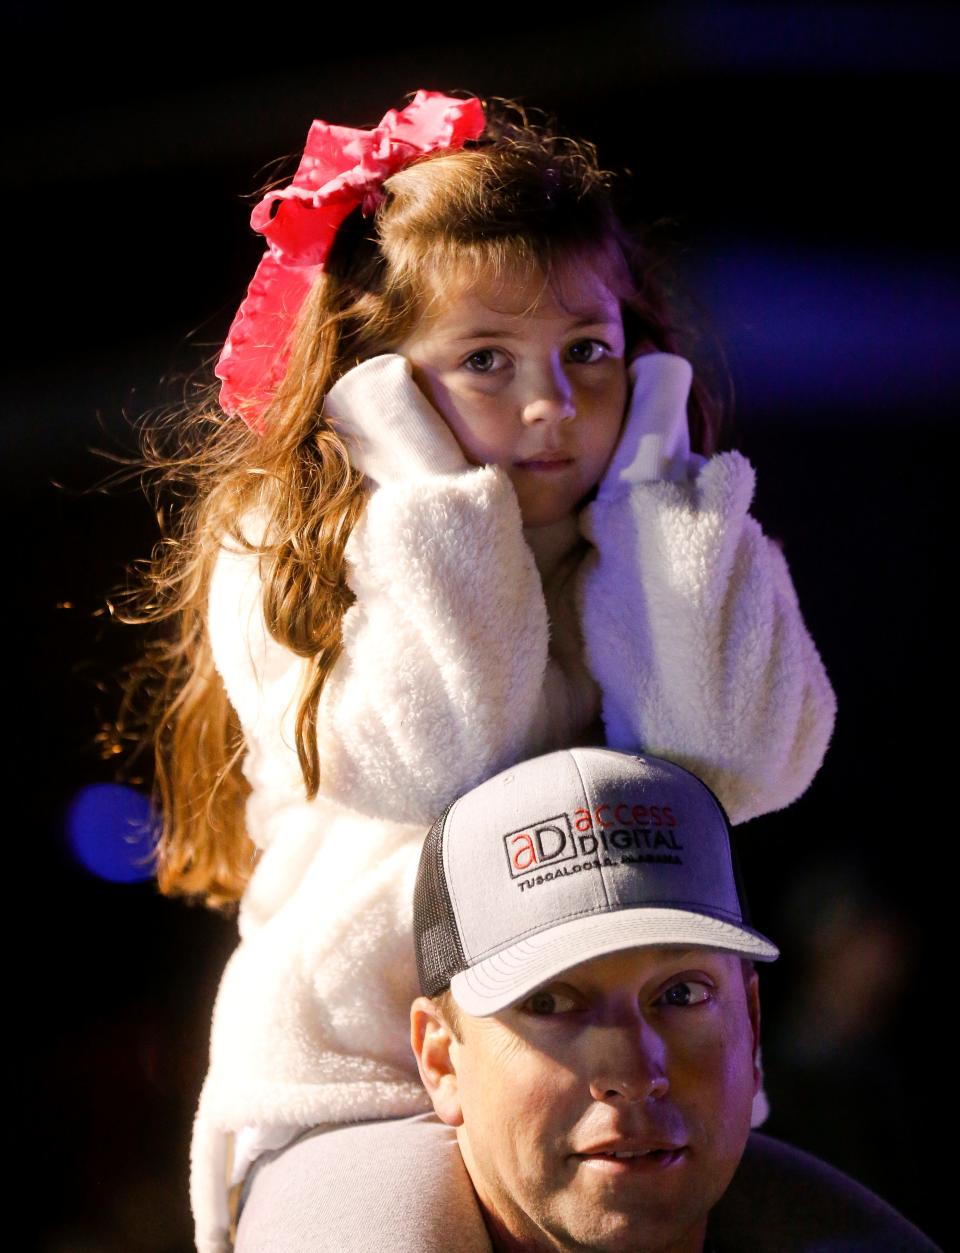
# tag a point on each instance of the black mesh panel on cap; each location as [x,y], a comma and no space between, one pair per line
[439,952]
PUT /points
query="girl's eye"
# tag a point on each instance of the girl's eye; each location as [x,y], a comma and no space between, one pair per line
[587,351]
[484,360]
[549,1001]
[687,992]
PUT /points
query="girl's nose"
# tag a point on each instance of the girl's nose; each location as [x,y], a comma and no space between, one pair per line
[550,397]
[631,1066]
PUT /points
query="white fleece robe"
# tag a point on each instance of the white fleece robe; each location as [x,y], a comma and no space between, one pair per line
[471,646]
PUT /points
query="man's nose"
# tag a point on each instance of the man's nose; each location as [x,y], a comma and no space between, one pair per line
[631,1064]
[549,395]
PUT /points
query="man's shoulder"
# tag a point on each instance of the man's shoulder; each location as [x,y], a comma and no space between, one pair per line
[401,1184]
[783,1200]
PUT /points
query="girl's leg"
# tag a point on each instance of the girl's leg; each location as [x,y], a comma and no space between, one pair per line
[378,1187]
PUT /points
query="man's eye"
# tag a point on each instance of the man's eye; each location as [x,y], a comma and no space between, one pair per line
[549,1001]
[587,351]
[484,360]
[689,992]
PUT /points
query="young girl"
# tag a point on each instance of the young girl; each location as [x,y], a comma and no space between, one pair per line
[459,524]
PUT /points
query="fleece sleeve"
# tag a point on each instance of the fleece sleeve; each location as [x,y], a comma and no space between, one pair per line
[445,648]
[391,429]
[444,651]
[693,631]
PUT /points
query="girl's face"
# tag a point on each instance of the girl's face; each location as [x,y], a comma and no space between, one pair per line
[530,377]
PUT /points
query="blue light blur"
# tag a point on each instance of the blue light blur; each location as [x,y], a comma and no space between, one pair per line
[112,831]
[817,332]
[744,37]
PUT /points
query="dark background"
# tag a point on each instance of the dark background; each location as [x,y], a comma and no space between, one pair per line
[797,155]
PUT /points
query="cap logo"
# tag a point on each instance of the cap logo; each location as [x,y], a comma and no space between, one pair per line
[545,843]
[591,839]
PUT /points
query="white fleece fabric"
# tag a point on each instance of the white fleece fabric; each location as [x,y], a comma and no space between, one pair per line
[471,645]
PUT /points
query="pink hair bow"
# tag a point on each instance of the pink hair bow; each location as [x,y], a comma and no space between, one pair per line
[341,169]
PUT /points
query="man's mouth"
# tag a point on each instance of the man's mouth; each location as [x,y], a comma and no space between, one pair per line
[652,1157]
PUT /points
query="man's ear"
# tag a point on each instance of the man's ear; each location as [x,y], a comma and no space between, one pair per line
[434,1045]
[753,1009]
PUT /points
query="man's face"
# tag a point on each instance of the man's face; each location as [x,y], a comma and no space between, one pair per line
[609,1110]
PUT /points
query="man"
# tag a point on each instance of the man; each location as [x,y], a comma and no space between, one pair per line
[597,1048]
[589,1030]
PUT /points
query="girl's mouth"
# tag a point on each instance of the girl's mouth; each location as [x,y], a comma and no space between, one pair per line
[546,462]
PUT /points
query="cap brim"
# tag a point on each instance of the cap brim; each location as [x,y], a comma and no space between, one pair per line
[508,976]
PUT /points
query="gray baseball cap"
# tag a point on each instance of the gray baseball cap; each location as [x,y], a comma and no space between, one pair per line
[567,857]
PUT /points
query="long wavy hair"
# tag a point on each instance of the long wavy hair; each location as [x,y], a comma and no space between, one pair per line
[520,198]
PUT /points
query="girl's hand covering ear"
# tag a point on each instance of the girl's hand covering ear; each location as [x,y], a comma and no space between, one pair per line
[655,440]
[392,431]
